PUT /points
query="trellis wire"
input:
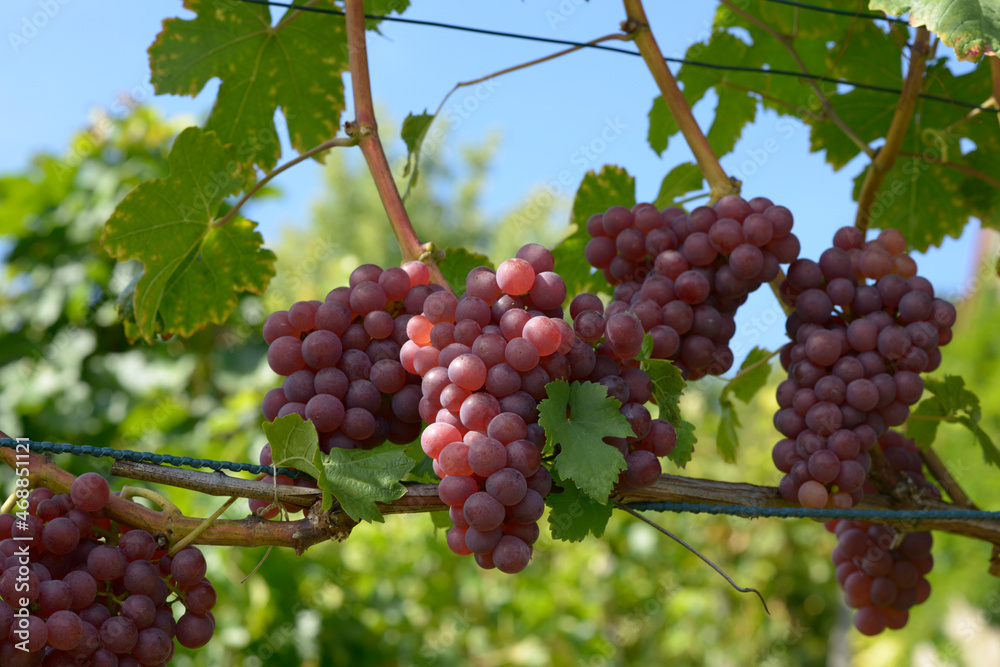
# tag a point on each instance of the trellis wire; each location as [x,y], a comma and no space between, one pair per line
[807,513]
[840,12]
[601,47]
[149,457]
[655,506]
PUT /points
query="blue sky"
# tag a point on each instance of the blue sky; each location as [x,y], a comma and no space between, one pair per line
[86,55]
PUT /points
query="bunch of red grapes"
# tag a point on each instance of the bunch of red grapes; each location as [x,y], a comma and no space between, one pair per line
[881,571]
[854,364]
[69,597]
[340,359]
[485,359]
[682,276]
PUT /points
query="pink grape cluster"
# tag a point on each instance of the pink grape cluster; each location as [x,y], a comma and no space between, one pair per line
[72,598]
[683,276]
[882,581]
[340,359]
[485,360]
[854,364]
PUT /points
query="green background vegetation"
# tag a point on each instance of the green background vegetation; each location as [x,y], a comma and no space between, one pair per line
[393,593]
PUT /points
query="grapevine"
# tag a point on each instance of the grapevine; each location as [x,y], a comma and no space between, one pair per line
[94,595]
[517,396]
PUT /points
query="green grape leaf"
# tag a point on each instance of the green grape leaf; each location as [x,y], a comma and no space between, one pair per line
[922,424]
[685,444]
[951,401]
[296,65]
[413,132]
[441,520]
[573,514]
[359,478]
[727,439]
[971,27]
[743,386]
[747,383]
[193,270]
[576,417]
[921,200]
[864,111]
[295,444]
[383,8]
[668,385]
[682,179]
[456,265]
[597,193]
[423,471]
[734,110]
[662,126]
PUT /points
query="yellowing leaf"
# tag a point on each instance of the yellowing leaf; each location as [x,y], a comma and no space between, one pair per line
[193,270]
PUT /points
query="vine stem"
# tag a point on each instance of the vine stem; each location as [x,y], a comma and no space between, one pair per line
[193,535]
[638,26]
[335,525]
[424,497]
[945,478]
[365,129]
[326,145]
[885,158]
[169,509]
[787,41]
[697,553]
[245,533]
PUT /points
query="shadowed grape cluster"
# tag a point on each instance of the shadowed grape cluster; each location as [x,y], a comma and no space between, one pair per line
[854,364]
[340,359]
[682,276]
[881,571]
[88,600]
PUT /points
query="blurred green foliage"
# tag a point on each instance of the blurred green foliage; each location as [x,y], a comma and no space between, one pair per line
[393,594]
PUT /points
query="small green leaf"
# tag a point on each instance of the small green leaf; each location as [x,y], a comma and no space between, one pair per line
[573,515]
[727,439]
[951,401]
[592,415]
[685,444]
[193,270]
[359,478]
[746,386]
[971,27]
[423,471]
[456,265]
[922,425]
[735,109]
[662,126]
[441,520]
[383,8]
[294,444]
[682,179]
[668,385]
[597,193]
[413,132]
[990,453]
